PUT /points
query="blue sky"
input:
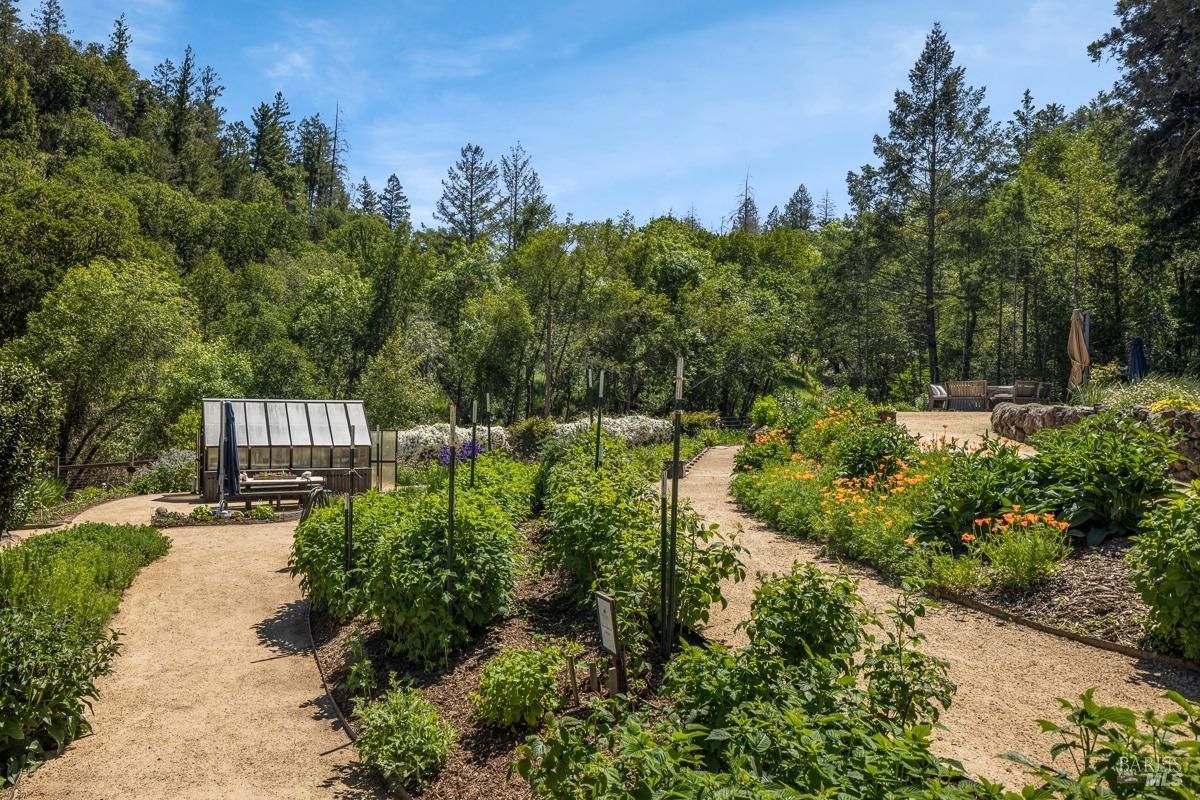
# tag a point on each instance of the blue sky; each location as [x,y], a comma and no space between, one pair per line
[646,106]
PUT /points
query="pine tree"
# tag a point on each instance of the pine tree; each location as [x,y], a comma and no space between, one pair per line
[180,114]
[366,198]
[934,160]
[313,154]
[469,204]
[525,207]
[745,216]
[10,21]
[393,203]
[826,210]
[773,221]
[120,39]
[798,213]
[50,18]
[271,138]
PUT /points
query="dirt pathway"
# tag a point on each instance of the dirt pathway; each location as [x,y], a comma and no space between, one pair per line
[215,694]
[965,427]
[1008,676]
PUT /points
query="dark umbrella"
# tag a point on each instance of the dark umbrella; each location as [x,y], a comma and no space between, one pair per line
[1139,367]
[229,455]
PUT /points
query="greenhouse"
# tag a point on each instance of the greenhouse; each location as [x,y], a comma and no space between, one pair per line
[326,438]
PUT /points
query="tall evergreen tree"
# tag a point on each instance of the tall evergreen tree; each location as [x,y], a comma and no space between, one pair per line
[366,198]
[180,113]
[745,216]
[798,213]
[50,18]
[10,21]
[271,138]
[314,155]
[393,203]
[120,39]
[934,158]
[469,202]
[773,221]
[524,204]
[826,210]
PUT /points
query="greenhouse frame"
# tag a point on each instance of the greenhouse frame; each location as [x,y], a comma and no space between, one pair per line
[289,436]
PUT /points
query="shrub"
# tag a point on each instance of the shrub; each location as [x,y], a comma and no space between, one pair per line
[693,422]
[30,406]
[402,739]
[201,514]
[1102,472]
[519,685]
[56,592]
[872,449]
[768,447]
[360,672]
[974,484]
[171,472]
[807,613]
[766,412]
[427,604]
[941,569]
[262,513]
[528,434]
[1021,549]
[1166,571]
[48,666]
[904,684]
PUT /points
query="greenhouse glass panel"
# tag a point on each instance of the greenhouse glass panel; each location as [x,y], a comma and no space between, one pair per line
[281,457]
[319,423]
[256,426]
[239,424]
[341,457]
[211,458]
[277,424]
[297,416]
[358,418]
[212,422]
[320,457]
[260,458]
[339,423]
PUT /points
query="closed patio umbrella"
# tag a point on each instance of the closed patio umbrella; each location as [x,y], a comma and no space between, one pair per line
[229,466]
[1139,366]
[1077,349]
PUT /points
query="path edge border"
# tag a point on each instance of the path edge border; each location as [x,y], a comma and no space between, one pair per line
[1062,633]
[400,791]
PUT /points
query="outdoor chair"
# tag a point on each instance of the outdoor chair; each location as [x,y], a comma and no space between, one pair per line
[1025,392]
[967,395]
[937,397]
[1043,391]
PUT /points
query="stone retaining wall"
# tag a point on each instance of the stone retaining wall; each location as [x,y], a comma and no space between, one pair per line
[1018,422]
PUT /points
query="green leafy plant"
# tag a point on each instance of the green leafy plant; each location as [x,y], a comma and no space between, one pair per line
[807,613]
[872,449]
[695,421]
[402,739]
[1102,473]
[528,435]
[57,591]
[30,407]
[428,600]
[1166,571]
[171,472]
[904,684]
[1021,550]
[361,680]
[518,686]
[201,514]
[262,513]
[975,483]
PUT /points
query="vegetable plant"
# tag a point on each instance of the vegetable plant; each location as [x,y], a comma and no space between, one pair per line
[518,686]
[1166,571]
[402,739]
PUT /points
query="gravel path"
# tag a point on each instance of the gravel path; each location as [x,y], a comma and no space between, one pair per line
[967,427]
[216,693]
[1008,676]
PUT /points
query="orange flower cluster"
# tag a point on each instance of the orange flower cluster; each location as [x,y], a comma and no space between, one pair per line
[773,435]
[1015,519]
[832,416]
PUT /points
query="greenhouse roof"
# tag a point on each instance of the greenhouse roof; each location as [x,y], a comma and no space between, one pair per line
[285,423]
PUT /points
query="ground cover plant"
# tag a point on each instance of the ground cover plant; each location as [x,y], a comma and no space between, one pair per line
[402,739]
[57,591]
[518,686]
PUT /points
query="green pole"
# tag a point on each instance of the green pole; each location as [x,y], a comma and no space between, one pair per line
[672,599]
[474,437]
[599,416]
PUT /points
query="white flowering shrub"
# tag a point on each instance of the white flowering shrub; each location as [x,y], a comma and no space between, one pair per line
[424,440]
[633,430]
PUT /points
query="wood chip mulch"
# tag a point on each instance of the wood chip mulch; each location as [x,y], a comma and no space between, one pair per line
[478,765]
[1091,594]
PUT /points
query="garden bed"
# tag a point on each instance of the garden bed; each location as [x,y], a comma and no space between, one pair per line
[164,518]
[1091,595]
[63,513]
[478,765]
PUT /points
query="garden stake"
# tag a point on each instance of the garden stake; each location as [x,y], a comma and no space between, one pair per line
[487,418]
[593,677]
[590,401]
[671,598]
[599,416]
[574,681]
[665,643]
[350,509]
[450,521]
[474,438]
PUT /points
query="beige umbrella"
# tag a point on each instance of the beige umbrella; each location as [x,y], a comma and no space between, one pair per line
[1077,349]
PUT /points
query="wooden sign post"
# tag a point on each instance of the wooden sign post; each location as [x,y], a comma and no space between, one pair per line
[610,637]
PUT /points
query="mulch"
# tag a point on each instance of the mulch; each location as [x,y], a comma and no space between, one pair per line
[1092,594]
[478,765]
[174,519]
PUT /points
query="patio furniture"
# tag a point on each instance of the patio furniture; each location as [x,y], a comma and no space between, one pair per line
[967,395]
[937,397]
[296,487]
[1025,392]
[999,394]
